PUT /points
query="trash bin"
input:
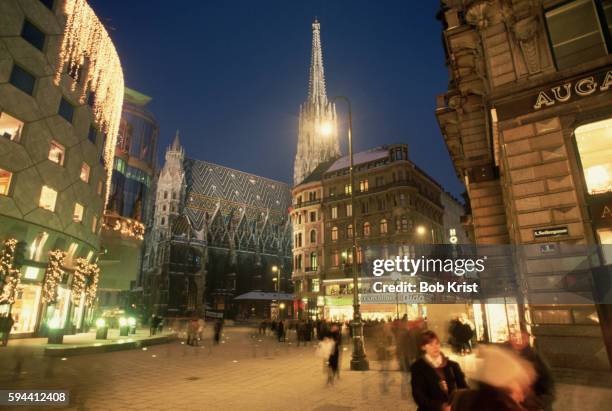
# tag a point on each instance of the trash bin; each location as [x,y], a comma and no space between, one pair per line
[56,336]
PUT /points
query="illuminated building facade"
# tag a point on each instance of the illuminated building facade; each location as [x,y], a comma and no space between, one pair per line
[130,206]
[527,121]
[397,206]
[56,130]
[216,234]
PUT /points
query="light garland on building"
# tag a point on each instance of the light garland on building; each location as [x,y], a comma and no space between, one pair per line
[125,226]
[53,276]
[78,280]
[10,277]
[87,47]
[92,286]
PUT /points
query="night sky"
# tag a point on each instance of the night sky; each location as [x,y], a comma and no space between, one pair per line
[232,74]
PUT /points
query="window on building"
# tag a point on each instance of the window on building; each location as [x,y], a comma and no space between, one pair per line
[78,213]
[575,32]
[10,127]
[163,221]
[23,80]
[33,35]
[381,204]
[359,255]
[85,169]
[334,212]
[383,226]
[165,195]
[164,208]
[57,153]
[594,143]
[335,259]
[299,201]
[92,134]
[299,261]
[349,231]
[380,181]
[366,229]
[364,207]
[5,181]
[312,195]
[94,224]
[174,195]
[299,219]
[313,261]
[347,189]
[332,191]
[349,210]
[37,246]
[299,239]
[363,185]
[313,236]
[334,233]
[404,226]
[66,110]
[316,287]
[48,197]
[402,199]
[347,257]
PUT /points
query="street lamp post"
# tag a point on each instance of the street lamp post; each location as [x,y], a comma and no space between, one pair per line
[276,269]
[359,362]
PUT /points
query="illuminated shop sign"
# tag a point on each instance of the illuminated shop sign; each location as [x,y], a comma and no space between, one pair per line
[550,232]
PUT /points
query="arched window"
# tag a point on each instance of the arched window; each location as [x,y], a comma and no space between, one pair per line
[366,229]
[349,231]
[313,236]
[334,233]
[383,226]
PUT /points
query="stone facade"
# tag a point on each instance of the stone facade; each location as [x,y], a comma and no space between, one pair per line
[52,171]
[517,101]
[216,234]
[318,128]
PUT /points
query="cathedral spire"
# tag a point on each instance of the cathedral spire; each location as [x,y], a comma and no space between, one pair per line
[316,84]
[176,143]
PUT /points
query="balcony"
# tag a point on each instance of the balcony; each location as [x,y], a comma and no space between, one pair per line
[306,203]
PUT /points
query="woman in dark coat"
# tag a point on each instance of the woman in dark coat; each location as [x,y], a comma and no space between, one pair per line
[334,357]
[434,377]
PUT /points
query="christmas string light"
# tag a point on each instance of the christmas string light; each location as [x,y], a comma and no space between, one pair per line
[53,276]
[78,280]
[92,287]
[87,51]
[10,277]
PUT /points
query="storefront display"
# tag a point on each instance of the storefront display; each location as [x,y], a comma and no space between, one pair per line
[25,308]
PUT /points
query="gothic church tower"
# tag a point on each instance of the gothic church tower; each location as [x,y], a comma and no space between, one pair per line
[318,128]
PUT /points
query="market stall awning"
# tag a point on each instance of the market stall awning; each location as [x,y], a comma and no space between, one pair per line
[261,296]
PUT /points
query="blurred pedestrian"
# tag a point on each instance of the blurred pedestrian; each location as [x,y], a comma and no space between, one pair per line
[542,392]
[280,331]
[192,330]
[262,327]
[334,357]
[218,328]
[465,332]
[153,325]
[503,383]
[6,325]
[434,377]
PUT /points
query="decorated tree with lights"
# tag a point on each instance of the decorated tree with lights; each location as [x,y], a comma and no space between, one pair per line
[92,284]
[78,280]
[53,276]
[10,277]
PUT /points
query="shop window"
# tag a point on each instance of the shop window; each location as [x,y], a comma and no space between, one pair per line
[5,181]
[23,80]
[78,213]
[37,246]
[366,229]
[575,31]
[57,153]
[48,197]
[383,226]
[10,127]
[66,110]
[334,212]
[349,210]
[594,143]
[33,35]
[363,185]
[31,273]
[85,169]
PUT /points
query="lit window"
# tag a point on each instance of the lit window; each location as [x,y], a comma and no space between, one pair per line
[313,261]
[315,285]
[575,32]
[31,273]
[48,197]
[23,80]
[66,110]
[94,224]
[349,231]
[56,153]
[334,212]
[363,185]
[594,143]
[335,259]
[366,229]
[349,210]
[37,246]
[78,213]
[85,172]
[5,181]
[383,226]
[347,189]
[33,35]
[10,127]
[334,233]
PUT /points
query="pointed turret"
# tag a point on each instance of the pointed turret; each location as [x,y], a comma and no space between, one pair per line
[176,143]
[318,128]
